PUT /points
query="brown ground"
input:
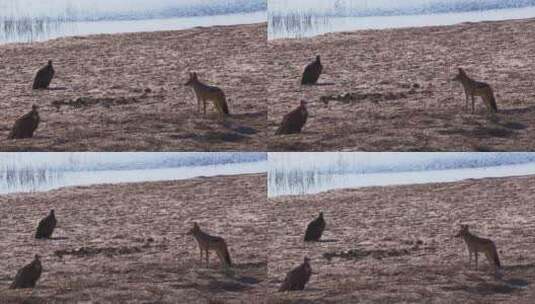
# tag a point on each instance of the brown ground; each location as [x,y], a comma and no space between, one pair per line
[100,103]
[402,96]
[112,224]
[396,245]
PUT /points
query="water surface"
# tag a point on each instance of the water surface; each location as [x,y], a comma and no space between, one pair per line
[36,20]
[310,173]
[30,172]
[289,20]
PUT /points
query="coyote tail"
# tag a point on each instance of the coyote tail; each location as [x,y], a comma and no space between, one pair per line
[492,103]
[226,255]
[496,258]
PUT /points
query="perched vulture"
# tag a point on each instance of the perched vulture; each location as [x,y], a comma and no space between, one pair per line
[312,72]
[46,226]
[315,229]
[28,275]
[293,122]
[44,77]
[298,277]
[26,125]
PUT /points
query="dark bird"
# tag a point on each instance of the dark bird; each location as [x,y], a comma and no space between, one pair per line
[28,275]
[46,226]
[298,277]
[26,125]
[293,122]
[44,77]
[315,229]
[312,72]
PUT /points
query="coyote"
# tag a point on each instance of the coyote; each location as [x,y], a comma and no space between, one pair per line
[474,88]
[206,92]
[476,244]
[208,242]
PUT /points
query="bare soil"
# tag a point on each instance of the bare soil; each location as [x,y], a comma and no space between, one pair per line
[125,92]
[391,90]
[396,244]
[128,243]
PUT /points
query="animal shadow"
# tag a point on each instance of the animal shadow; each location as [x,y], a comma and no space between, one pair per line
[329,241]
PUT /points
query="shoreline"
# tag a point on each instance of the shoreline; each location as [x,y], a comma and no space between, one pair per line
[385,244]
[125,92]
[132,243]
[391,90]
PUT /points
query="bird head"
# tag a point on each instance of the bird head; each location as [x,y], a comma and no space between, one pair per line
[303,103]
[318,58]
[35,107]
[50,62]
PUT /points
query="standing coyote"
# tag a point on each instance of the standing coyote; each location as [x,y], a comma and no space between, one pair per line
[206,92]
[474,88]
[208,242]
[476,244]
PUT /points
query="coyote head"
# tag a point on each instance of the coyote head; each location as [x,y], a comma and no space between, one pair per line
[463,231]
[192,79]
[460,76]
[195,229]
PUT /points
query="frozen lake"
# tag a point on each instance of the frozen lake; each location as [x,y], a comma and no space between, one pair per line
[292,174]
[35,20]
[30,172]
[288,20]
